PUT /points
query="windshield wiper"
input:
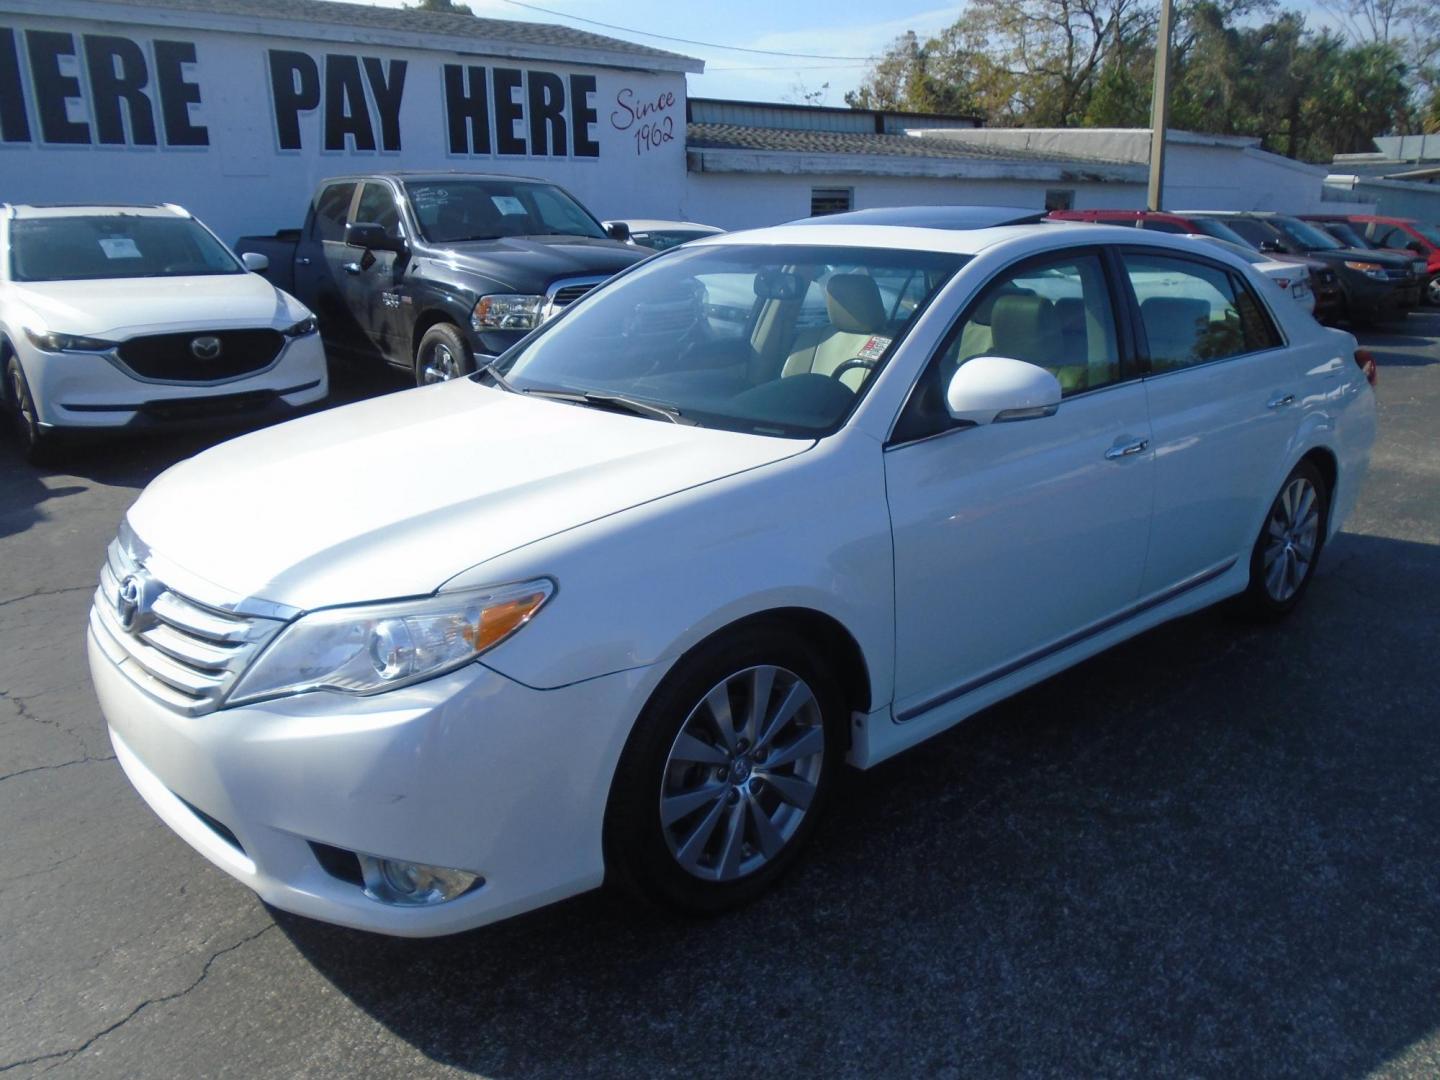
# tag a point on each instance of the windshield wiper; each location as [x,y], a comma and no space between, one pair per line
[503,383]
[621,403]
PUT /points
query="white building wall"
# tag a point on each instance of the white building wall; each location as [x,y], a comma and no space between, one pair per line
[242,180]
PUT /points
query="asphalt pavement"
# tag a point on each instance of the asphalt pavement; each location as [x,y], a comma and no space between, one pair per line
[1212,852]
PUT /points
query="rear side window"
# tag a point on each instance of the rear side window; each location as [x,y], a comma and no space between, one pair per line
[1193,313]
[331,205]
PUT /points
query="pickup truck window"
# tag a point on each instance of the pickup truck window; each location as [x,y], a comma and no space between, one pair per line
[377,206]
[86,247]
[449,211]
[331,205]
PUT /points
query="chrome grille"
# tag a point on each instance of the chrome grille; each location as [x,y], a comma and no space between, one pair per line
[561,294]
[181,652]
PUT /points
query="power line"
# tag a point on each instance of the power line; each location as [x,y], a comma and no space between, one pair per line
[786,67]
[683,41]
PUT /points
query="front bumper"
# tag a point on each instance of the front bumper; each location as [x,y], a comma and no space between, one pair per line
[471,771]
[96,391]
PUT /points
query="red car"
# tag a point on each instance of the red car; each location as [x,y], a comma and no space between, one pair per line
[1329,298]
[1397,234]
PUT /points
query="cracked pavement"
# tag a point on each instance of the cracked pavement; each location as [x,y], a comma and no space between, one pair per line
[1212,851]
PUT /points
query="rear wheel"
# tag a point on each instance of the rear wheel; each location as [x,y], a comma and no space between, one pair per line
[442,355]
[726,773]
[1288,547]
[1432,291]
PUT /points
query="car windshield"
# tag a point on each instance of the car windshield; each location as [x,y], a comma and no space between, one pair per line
[469,209]
[1304,235]
[770,339]
[1347,235]
[665,239]
[86,247]
[1220,231]
[1245,252]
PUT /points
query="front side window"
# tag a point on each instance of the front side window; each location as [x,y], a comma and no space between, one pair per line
[377,207]
[451,211]
[1255,233]
[332,203]
[1055,313]
[1219,230]
[1193,313]
[776,340]
[92,247]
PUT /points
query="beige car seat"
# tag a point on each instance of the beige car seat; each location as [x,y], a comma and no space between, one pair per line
[857,314]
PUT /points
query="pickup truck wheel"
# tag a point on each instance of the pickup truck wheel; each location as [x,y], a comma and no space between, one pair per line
[442,355]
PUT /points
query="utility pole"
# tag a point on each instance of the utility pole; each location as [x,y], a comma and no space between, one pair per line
[1160,108]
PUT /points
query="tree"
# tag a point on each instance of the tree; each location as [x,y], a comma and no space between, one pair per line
[446,7]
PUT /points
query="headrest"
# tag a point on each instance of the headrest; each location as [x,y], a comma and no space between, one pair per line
[854,304]
[1024,327]
[1174,310]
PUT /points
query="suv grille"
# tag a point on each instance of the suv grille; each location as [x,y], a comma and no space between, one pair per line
[171,357]
[183,653]
[561,294]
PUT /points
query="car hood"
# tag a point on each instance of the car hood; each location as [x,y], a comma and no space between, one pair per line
[394,496]
[120,308]
[1370,255]
[530,263]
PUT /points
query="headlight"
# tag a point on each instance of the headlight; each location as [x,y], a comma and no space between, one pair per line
[508,311]
[1369,269]
[301,328]
[364,650]
[52,342]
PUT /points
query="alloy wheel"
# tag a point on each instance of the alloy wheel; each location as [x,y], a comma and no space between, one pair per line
[742,773]
[442,366]
[24,406]
[1432,291]
[1292,533]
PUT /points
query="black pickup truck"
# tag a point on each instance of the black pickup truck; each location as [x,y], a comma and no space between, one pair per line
[438,271]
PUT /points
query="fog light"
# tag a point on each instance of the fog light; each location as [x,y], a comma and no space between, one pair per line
[407,884]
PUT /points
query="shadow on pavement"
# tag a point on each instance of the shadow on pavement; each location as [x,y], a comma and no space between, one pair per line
[1210,851]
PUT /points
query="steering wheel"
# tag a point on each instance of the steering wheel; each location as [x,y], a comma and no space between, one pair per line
[859,363]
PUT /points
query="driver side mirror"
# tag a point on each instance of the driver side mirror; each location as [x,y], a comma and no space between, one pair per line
[372,237]
[1271,246]
[617,230]
[255,262]
[997,389]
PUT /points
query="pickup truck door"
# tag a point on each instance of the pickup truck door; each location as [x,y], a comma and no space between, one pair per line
[320,256]
[371,280]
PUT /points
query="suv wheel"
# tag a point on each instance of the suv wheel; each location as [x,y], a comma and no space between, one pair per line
[1432,291]
[443,355]
[36,443]
[727,771]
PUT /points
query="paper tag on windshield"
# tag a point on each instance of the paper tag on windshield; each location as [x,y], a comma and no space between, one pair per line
[874,348]
[119,247]
[508,204]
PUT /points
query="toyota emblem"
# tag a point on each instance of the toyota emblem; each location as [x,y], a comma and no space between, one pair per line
[205,348]
[134,600]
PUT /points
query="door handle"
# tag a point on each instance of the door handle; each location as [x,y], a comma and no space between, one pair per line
[1280,401]
[302,260]
[352,268]
[1124,450]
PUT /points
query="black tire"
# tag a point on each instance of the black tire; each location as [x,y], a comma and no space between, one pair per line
[1261,600]
[1432,291]
[442,348]
[37,444]
[638,855]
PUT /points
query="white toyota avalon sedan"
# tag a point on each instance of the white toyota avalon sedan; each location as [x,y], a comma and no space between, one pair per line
[623,604]
[137,316]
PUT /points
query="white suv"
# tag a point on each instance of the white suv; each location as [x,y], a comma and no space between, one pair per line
[132,316]
[623,602]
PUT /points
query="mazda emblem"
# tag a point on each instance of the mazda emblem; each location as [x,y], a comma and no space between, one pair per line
[205,348]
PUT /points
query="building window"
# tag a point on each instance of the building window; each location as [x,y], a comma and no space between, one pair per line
[830,200]
[1060,199]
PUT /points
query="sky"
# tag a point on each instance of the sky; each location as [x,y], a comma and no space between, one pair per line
[825,28]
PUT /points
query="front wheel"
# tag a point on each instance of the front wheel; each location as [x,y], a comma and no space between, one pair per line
[442,355]
[726,773]
[1288,547]
[1432,291]
[36,443]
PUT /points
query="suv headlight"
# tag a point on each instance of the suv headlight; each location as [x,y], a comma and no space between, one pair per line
[51,342]
[1369,269]
[301,328]
[508,311]
[377,647]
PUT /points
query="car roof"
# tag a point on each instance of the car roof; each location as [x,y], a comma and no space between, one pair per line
[430,174]
[52,210]
[931,217]
[915,238]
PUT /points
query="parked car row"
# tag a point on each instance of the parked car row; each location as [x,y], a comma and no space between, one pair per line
[1354,271]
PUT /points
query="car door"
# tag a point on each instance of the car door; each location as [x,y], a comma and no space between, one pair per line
[1223,388]
[319,258]
[1011,538]
[372,280]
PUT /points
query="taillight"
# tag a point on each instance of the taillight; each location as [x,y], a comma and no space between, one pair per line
[1366,359]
